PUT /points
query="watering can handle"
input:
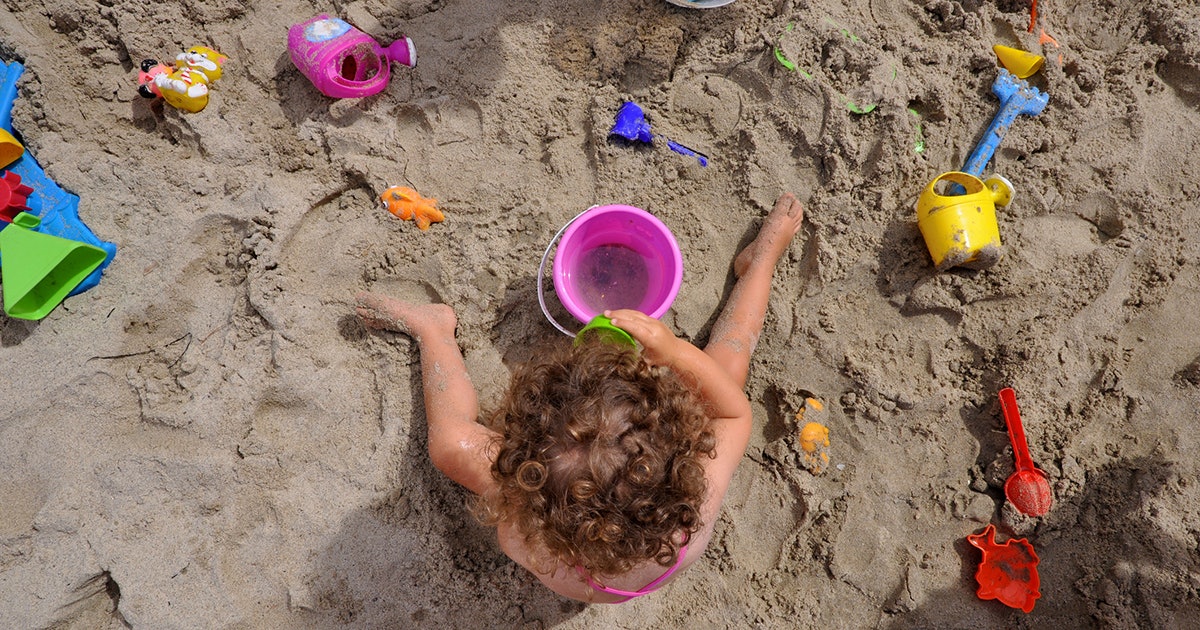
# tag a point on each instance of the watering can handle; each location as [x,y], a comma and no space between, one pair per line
[542,273]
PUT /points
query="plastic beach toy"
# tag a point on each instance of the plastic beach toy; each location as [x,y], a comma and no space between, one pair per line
[1027,488]
[10,149]
[1016,98]
[603,329]
[616,257]
[184,85]
[814,442]
[1019,62]
[408,204]
[41,269]
[962,229]
[814,436]
[613,257]
[57,208]
[342,61]
[631,124]
[1008,570]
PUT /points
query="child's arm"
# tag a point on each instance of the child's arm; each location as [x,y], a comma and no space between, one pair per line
[731,418]
[458,445]
[725,398]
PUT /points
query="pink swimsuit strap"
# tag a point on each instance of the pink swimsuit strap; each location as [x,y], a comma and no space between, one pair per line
[649,588]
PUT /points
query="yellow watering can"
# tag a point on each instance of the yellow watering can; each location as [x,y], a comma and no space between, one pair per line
[962,229]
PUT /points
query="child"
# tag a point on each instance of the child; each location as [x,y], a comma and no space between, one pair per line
[603,469]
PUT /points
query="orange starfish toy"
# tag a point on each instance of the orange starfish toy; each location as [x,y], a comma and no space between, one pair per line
[407,204]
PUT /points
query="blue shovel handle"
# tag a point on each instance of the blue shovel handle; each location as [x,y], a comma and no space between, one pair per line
[1016,97]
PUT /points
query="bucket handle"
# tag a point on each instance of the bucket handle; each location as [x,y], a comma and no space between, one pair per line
[542,273]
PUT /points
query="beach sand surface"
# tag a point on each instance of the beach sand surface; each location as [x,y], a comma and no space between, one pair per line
[209,438]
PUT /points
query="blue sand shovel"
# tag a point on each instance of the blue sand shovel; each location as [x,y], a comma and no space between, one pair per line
[631,124]
[1016,97]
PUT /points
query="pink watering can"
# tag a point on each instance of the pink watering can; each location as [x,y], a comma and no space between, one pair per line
[342,61]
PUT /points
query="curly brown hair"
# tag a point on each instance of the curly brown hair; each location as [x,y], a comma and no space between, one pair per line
[599,458]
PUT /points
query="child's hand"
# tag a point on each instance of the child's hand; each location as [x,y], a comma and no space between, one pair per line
[417,320]
[655,337]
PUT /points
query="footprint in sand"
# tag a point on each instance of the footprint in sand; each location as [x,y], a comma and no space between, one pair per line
[438,142]
[1057,241]
[415,291]
[712,100]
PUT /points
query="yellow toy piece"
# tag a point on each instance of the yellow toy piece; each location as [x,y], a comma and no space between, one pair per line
[814,437]
[10,149]
[186,86]
[1022,64]
[962,229]
[408,204]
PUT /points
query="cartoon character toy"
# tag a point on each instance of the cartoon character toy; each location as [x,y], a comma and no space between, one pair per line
[184,86]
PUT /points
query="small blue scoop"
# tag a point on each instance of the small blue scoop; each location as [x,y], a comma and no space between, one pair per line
[631,124]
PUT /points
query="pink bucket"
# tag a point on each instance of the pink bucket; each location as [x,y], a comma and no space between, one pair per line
[616,256]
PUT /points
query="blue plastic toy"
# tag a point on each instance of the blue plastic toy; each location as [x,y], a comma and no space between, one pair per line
[57,208]
[1016,97]
[631,124]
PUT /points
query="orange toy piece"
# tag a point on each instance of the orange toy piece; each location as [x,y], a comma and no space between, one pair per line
[407,204]
[1008,571]
[814,436]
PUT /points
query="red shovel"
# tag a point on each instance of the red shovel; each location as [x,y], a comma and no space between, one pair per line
[1027,488]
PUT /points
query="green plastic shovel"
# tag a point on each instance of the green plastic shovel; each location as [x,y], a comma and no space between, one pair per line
[40,269]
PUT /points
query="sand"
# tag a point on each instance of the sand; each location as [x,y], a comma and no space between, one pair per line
[210,439]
